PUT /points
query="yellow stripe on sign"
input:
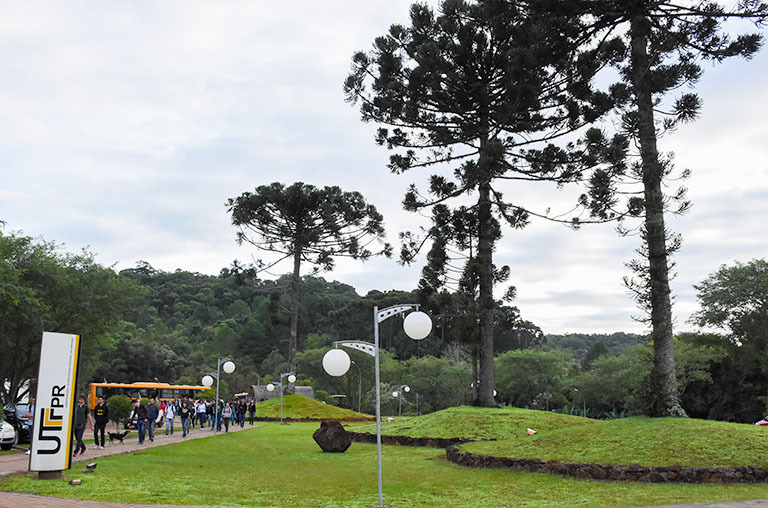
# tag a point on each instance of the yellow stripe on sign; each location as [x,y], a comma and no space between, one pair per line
[72,403]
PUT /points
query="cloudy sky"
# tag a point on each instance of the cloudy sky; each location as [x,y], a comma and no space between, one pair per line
[125,126]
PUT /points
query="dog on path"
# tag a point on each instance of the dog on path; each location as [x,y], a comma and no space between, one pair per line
[117,436]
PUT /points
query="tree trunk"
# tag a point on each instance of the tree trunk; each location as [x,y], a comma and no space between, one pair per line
[293,340]
[664,383]
[485,262]
[475,378]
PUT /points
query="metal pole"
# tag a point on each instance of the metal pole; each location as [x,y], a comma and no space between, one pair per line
[378,399]
[281,398]
[218,383]
[359,385]
[400,402]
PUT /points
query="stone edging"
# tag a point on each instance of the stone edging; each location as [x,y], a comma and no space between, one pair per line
[428,442]
[634,472]
[594,471]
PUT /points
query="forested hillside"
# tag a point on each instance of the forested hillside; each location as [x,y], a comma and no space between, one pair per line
[145,324]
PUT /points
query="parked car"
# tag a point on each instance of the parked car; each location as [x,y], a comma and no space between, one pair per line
[7,435]
[15,416]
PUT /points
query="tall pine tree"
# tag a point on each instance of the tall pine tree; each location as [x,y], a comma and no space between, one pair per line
[665,43]
[476,92]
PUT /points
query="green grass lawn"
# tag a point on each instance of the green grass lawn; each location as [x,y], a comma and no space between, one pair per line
[281,465]
[638,440]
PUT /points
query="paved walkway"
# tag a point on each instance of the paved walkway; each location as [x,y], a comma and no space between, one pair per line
[21,500]
[16,463]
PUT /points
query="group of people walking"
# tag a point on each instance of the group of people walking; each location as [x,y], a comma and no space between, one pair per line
[150,416]
[202,413]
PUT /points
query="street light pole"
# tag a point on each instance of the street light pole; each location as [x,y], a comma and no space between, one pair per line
[399,395]
[271,386]
[336,362]
[229,367]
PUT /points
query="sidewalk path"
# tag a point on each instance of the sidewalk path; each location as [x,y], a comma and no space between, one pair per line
[18,463]
[15,463]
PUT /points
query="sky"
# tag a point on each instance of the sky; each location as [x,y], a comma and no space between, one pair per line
[125,127]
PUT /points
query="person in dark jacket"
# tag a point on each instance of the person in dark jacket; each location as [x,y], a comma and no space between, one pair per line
[153,412]
[101,418]
[240,408]
[142,417]
[81,416]
[251,411]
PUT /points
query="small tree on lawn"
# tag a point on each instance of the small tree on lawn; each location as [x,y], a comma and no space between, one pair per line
[120,408]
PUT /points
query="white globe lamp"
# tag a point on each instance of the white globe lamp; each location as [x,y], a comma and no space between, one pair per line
[229,367]
[417,325]
[270,387]
[395,394]
[291,378]
[407,389]
[207,381]
[336,362]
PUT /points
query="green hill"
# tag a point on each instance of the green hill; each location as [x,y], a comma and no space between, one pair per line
[475,423]
[300,407]
[637,440]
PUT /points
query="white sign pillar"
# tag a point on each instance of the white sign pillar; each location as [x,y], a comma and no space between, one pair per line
[55,404]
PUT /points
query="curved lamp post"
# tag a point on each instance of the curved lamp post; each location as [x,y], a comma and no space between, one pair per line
[271,388]
[229,367]
[336,362]
[398,394]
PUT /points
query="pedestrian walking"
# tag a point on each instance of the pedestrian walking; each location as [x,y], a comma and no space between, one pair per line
[101,418]
[81,417]
[184,414]
[226,415]
[170,413]
[142,417]
[30,414]
[241,407]
[153,413]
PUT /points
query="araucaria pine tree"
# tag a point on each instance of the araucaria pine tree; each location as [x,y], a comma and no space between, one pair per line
[477,92]
[307,225]
[665,43]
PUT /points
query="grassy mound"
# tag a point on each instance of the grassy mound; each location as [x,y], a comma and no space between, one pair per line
[299,406]
[641,440]
[476,423]
[638,440]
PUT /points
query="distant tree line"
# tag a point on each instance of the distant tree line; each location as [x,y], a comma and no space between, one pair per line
[144,323]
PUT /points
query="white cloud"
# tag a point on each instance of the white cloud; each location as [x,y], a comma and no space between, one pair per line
[126,126]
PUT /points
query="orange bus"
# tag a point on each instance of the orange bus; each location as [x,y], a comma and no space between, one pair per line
[161,391]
